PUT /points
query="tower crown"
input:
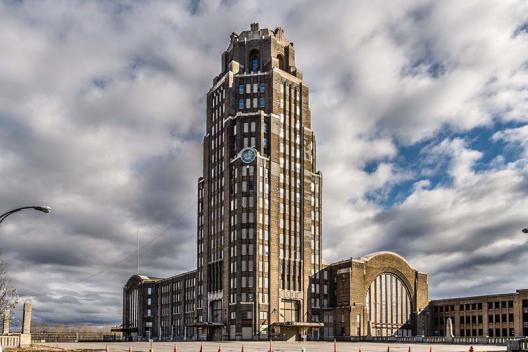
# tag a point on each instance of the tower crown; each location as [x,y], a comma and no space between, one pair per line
[260,50]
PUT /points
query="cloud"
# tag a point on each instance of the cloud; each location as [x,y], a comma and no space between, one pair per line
[515,137]
[102,116]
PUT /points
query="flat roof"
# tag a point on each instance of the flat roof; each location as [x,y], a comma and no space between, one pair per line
[495,295]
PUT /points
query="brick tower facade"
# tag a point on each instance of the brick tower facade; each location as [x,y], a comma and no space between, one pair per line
[259,200]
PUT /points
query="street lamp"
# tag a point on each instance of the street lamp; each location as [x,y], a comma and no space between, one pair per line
[43,208]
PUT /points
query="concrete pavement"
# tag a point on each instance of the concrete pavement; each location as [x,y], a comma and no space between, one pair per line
[278,346]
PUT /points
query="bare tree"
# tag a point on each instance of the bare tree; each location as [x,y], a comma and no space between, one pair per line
[8,295]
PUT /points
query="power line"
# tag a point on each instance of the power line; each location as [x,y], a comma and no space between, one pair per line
[145,249]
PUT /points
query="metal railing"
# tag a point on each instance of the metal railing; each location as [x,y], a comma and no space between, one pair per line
[502,341]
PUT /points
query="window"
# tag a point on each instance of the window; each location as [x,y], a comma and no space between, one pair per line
[254,61]
[241,104]
[281,61]
[289,310]
[262,102]
[262,87]
[241,89]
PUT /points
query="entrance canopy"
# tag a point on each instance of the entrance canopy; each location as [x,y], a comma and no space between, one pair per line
[299,324]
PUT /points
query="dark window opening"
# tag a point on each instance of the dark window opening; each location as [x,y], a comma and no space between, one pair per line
[281,62]
[254,61]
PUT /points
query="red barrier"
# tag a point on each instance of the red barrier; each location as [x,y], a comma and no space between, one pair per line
[335,345]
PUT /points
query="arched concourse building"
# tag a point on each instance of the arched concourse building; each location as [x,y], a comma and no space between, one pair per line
[380,294]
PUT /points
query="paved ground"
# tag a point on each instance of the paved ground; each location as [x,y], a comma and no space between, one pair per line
[194,346]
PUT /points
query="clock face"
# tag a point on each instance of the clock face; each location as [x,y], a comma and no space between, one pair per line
[248,155]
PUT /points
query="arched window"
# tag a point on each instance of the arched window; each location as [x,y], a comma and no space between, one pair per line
[254,61]
[281,62]
[389,306]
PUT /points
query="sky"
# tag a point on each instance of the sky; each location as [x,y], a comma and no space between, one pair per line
[420,110]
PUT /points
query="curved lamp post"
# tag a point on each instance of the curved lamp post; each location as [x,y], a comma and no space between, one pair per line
[44,209]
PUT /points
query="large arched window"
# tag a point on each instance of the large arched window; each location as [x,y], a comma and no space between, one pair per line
[388,306]
[254,61]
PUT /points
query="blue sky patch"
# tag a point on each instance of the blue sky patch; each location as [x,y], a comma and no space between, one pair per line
[416,161]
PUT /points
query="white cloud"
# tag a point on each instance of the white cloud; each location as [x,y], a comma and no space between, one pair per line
[514,136]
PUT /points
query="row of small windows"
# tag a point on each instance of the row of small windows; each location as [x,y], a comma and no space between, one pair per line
[246,88]
[257,103]
[478,319]
[474,306]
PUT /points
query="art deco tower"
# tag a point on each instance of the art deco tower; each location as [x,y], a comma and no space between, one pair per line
[259,203]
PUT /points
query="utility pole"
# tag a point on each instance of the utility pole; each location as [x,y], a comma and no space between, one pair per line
[138,262]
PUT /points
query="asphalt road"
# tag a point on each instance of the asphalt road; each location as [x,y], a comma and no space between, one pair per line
[250,346]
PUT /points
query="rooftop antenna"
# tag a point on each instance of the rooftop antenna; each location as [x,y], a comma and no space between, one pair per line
[138,262]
